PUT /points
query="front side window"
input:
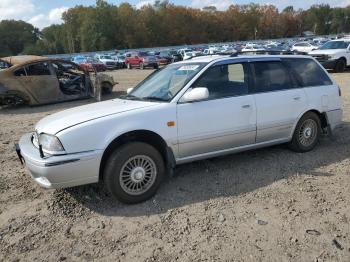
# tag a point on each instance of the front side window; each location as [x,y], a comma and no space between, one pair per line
[335,45]
[20,72]
[38,69]
[164,84]
[271,76]
[308,72]
[225,80]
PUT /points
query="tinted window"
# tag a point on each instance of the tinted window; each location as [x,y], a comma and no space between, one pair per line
[38,69]
[308,72]
[225,80]
[271,76]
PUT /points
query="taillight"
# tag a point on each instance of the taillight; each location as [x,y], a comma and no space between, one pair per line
[339,90]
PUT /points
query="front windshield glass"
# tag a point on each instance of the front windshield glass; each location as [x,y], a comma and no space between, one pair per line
[144,54]
[4,65]
[335,45]
[164,84]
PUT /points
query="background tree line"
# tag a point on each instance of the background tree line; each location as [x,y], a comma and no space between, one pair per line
[106,27]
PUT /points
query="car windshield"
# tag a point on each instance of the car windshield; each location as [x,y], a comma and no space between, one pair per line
[144,54]
[335,45]
[79,59]
[164,84]
[4,65]
[91,60]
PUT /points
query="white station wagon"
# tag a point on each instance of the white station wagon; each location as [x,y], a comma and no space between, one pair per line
[187,111]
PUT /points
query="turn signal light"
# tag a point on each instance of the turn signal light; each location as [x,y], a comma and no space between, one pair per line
[171,123]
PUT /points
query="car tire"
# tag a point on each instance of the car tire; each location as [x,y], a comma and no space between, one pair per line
[128,66]
[106,88]
[134,172]
[156,66]
[340,66]
[142,66]
[306,134]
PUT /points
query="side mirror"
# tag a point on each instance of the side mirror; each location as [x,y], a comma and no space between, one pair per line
[128,91]
[196,94]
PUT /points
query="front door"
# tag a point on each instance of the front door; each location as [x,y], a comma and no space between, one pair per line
[227,119]
[41,82]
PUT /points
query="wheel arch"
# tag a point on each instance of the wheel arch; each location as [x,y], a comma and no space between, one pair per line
[321,115]
[142,135]
[343,58]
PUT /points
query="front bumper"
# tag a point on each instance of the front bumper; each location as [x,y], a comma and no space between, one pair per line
[328,64]
[59,171]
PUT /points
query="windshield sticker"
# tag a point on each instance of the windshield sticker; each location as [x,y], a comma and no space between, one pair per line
[188,67]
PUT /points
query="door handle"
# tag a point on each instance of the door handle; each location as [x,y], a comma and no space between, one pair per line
[246,106]
[297,98]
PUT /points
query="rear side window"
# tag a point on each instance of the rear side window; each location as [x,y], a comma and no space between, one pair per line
[271,76]
[308,72]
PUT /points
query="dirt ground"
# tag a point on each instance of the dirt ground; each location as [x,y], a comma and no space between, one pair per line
[265,205]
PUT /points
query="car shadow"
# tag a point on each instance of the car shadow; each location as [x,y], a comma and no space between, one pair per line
[221,177]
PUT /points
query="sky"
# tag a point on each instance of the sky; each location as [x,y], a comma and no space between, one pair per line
[42,13]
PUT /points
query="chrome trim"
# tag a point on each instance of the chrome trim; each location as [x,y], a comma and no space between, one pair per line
[61,162]
[230,151]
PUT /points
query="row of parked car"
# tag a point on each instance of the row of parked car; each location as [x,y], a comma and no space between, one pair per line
[332,53]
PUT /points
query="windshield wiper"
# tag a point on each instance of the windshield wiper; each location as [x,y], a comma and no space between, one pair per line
[130,97]
[155,98]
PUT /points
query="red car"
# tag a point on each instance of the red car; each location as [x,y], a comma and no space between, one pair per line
[89,64]
[140,60]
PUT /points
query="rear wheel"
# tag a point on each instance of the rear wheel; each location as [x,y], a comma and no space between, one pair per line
[155,66]
[134,172]
[340,65]
[307,133]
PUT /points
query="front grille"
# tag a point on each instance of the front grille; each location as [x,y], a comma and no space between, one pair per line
[320,58]
[110,63]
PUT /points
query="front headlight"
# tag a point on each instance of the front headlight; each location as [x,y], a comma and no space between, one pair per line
[50,144]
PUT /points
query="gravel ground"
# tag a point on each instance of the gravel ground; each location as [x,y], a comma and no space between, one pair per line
[265,205]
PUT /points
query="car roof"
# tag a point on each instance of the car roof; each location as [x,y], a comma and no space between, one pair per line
[211,58]
[341,39]
[24,59]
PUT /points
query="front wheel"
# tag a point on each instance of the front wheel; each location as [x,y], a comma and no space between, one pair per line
[307,133]
[134,172]
[340,66]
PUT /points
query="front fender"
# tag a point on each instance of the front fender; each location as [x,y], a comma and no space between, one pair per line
[99,133]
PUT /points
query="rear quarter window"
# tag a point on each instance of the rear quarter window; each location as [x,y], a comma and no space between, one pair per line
[308,72]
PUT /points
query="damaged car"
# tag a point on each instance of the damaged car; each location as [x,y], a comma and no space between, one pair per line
[35,80]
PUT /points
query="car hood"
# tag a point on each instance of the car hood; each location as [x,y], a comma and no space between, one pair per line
[57,122]
[326,51]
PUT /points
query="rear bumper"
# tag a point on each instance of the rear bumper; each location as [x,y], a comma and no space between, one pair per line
[334,118]
[59,171]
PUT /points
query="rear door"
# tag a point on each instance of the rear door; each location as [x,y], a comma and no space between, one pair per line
[41,82]
[279,100]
